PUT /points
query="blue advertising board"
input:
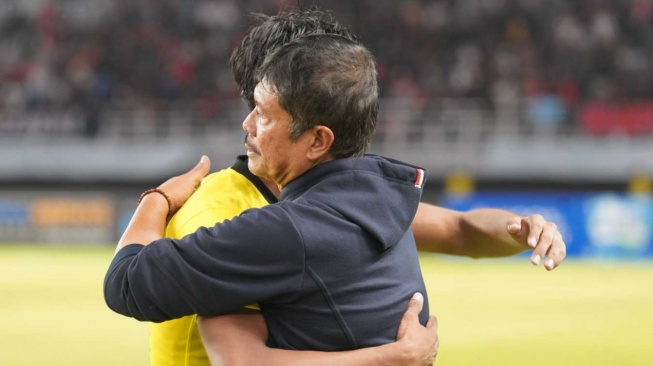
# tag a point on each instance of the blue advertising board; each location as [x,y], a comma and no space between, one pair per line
[13,213]
[597,225]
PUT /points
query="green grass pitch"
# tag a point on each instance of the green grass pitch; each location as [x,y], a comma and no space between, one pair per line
[490,312]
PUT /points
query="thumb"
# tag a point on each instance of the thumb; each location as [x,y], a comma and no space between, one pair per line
[415,305]
[514,225]
[202,168]
[411,315]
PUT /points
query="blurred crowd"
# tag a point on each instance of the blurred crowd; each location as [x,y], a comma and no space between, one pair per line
[549,57]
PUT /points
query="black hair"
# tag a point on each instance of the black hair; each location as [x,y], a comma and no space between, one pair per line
[269,35]
[330,80]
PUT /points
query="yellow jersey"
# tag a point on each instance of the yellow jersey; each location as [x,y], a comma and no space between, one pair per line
[220,196]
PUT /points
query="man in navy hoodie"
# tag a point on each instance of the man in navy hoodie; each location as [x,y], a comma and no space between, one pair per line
[334,263]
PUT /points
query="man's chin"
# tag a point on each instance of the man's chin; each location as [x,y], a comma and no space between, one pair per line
[252,164]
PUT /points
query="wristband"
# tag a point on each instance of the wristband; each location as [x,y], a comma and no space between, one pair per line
[156,190]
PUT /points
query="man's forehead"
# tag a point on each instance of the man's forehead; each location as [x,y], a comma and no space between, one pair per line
[257,92]
[263,92]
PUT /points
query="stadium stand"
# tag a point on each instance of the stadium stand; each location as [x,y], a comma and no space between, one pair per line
[502,89]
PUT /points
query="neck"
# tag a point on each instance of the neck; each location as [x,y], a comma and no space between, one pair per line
[273,187]
[309,164]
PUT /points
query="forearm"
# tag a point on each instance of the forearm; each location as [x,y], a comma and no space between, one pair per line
[148,222]
[378,356]
[485,234]
[258,353]
[240,340]
[476,233]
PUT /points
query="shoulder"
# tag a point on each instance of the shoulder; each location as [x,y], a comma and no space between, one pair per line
[225,179]
[220,196]
[273,225]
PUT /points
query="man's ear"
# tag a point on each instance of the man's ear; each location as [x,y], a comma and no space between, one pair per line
[322,140]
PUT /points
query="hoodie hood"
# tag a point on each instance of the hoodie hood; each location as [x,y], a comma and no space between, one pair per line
[378,194]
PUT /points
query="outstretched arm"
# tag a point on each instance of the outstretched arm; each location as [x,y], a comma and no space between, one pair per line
[487,233]
[239,339]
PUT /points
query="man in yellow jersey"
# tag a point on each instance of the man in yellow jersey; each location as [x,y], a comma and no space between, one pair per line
[221,196]
[228,192]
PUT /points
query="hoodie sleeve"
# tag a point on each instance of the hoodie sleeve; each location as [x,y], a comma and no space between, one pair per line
[255,258]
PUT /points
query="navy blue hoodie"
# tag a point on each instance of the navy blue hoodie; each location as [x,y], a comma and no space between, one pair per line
[332,265]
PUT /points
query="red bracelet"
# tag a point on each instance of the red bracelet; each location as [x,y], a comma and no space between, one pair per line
[156,190]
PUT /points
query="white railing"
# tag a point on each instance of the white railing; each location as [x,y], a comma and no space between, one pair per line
[400,121]
[444,136]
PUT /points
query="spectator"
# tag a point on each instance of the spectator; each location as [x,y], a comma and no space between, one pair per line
[65,54]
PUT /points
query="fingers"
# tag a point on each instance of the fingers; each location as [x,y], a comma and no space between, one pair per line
[556,253]
[432,324]
[547,234]
[545,239]
[535,224]
[411,315]
[540,235]
[525,229]
[514,226]
[425,339]
[181,187]
[432,329]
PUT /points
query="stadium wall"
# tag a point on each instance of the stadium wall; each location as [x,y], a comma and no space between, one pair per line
[596,225]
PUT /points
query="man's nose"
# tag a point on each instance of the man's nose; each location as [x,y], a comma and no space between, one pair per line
[248,123]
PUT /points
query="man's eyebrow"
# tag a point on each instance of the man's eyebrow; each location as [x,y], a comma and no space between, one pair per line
[257,105]
[256,101]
